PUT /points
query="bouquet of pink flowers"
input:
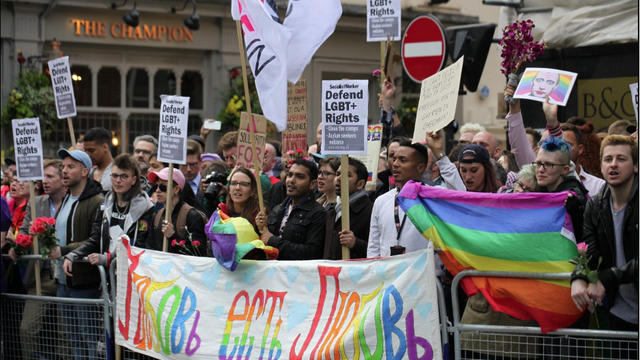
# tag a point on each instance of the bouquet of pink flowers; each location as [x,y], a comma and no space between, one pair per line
[188,246]
[518,48]
[45,228]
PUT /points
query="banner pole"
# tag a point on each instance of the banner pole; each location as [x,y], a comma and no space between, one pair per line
[36,248]
[71,132]
[168,207]
[247,101]
[344,199]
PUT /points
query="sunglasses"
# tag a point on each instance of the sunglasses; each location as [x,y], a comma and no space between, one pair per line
[164,187]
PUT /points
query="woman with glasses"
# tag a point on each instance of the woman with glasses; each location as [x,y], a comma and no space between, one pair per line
[526,180]
[242,196]
[185,231]
[326,176]
[127,210]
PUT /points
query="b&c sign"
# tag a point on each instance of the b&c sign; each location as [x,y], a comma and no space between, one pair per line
[423,48]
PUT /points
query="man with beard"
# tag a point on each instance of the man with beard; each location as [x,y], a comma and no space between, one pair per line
[144,147]
[296,227]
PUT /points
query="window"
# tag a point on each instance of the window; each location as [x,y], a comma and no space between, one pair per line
[164,83]
[109,87]
[137,88]
[60,138]
[81,79]
[191,85]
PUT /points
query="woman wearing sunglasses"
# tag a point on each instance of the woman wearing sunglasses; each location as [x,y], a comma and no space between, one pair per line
[127,210]
[185,231]
[242,196]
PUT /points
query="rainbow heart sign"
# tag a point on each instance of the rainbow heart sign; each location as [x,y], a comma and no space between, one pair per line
[383,308]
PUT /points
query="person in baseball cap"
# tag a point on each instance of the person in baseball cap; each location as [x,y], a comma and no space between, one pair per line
[163,175]
[77,155]
[476,169]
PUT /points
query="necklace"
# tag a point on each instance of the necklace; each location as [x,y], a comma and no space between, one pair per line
[123,212]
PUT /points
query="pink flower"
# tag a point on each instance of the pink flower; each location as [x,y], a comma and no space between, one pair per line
[376,72]
[174,242]
[182,242]
[196,243]
[582,248]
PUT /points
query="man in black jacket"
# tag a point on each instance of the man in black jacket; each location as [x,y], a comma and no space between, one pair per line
[296,227]
[356,236]
[611,233]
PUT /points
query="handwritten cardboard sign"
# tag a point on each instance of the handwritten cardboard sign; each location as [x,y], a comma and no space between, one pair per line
[295,136]
[172,306]
[27,144]
[62,87]
[438,100]
[174,118]
[634,98]
[245,152]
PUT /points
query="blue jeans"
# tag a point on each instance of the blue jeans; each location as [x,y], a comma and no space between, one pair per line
[81,322]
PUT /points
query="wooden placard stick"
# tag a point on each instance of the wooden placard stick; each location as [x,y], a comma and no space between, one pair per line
[36,248]
[71,132]
[247,100]
[168,207]
[344,199]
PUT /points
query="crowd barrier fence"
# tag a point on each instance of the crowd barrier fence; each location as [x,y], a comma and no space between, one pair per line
[94,319]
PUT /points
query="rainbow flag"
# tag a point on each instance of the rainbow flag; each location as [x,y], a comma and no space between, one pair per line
[233,239]
[559,93]
[526,232]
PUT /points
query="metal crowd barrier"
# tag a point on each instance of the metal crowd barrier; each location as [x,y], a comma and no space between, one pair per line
[525,342]
[49,327]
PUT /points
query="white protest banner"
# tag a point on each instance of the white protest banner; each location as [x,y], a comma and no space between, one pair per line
[172,306]
[245,132]
[295,136]
[383,20]
[634,98]
[344,116]
[538,83]
[62,87]
[27,144]
[438,100]
[172,140]
[374,142]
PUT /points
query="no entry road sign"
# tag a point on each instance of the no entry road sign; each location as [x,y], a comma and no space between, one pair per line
[423,48]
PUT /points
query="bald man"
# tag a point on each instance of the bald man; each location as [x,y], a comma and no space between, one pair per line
[489,142]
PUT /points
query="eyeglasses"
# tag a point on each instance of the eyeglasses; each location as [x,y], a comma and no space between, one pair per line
[240,183]
[524,188]
[546,165]
[142,151]
[164,187]
[229,157]
[120,176]
[326,173]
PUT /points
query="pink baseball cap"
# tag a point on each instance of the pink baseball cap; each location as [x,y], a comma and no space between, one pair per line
[163,174]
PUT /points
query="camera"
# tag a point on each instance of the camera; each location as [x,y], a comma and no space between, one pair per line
[213,190]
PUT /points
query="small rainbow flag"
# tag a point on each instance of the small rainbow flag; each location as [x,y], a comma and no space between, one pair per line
[233,238]
[502,232]
[560,91]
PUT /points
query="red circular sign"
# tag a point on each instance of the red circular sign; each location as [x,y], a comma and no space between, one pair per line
[423,48]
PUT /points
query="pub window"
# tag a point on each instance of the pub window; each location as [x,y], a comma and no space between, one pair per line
[191,85]
[109,87]
[81,79]
[164,83]
[137,88]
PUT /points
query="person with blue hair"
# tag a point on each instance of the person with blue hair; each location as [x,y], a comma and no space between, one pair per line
[553,175]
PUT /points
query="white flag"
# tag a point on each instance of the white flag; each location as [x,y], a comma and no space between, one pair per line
[266,48]
[310,23]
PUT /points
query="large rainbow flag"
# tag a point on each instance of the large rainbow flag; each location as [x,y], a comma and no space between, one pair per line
[526,232]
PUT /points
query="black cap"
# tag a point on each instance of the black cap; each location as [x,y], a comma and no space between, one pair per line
[473,153]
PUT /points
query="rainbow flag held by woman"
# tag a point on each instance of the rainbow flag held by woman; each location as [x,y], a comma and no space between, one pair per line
[233,239]
[527,232]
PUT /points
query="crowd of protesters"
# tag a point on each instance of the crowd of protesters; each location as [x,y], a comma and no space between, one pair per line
[96,198]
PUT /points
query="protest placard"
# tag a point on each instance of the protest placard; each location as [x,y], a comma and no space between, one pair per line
[27,144]
[172,306]
[295,136]
[245,150]
[539,83]
[344,116]
[374,141]
[383,20]
[634,98]
[62,87]
[438,100]
[172,140]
